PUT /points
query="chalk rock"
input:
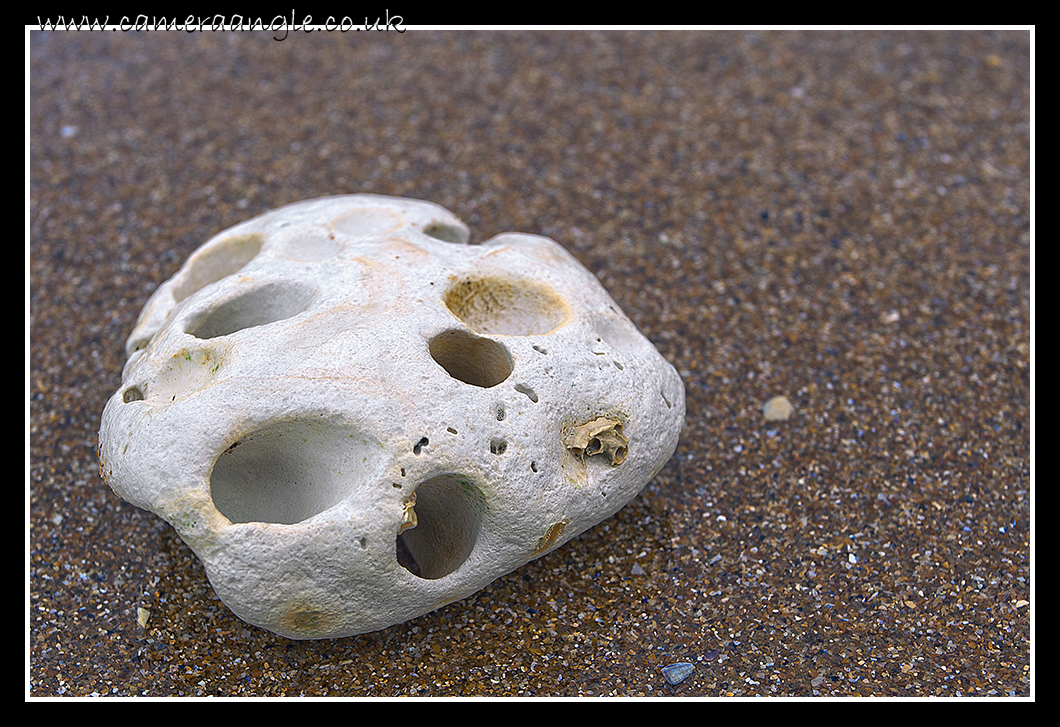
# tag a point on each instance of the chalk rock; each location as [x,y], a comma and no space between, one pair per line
[354,417]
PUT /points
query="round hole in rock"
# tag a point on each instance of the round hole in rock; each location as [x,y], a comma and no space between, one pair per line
[133,393]
[290,470]
[367,222]
[618,333]
[310,244]
[447,233]
[216,261]
[507,307]
[449,511]
[471,359]
[256,307]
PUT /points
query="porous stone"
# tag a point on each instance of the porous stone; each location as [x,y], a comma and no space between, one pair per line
[353,416]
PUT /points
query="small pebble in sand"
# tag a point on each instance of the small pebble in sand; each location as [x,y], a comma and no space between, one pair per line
[777,409]
[677,673]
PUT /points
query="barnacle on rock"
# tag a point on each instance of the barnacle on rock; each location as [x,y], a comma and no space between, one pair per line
[600,436]
[408,514]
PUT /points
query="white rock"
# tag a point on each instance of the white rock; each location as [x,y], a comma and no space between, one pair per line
[354,417]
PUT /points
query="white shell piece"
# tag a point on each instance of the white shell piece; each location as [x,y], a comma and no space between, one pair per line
[354,417]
